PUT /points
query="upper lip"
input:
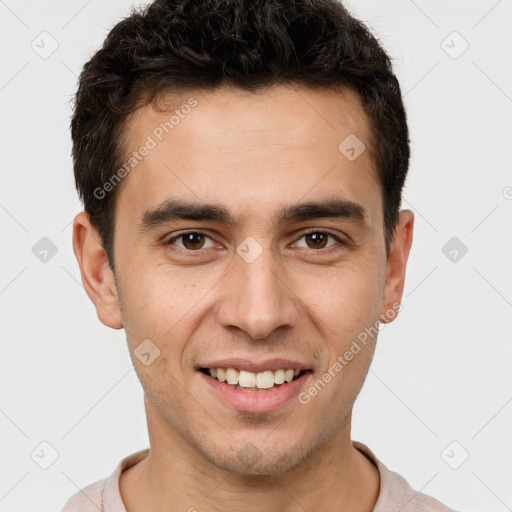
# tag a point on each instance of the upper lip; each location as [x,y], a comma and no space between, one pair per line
[252,365]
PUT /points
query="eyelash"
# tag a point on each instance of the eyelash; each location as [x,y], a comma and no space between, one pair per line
[316,231]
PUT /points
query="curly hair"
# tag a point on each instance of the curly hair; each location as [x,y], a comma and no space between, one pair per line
[180,45]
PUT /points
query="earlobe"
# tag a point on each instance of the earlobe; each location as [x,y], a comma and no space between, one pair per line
[396,266]
[97,276]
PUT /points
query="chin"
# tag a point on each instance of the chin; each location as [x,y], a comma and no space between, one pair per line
[249,460]
[261,468]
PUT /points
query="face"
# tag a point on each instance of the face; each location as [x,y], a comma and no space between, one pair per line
[248,243]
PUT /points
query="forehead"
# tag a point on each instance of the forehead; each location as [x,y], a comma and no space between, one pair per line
[252,151]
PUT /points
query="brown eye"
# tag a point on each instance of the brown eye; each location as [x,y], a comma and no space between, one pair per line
[191,241]
[318,240]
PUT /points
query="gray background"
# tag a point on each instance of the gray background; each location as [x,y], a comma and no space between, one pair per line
[439,389]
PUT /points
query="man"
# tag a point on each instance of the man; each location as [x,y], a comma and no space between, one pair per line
[241,166]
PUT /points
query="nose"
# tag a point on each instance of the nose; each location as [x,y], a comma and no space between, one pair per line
[256,298]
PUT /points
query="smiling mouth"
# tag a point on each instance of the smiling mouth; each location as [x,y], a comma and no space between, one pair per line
[251,381]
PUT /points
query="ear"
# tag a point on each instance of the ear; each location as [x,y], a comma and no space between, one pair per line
[97,276]
[396,266]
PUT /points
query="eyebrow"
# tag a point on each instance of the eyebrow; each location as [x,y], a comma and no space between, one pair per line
[179,209]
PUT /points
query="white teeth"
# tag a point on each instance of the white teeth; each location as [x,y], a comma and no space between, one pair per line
[262,380]
[265,380]
[247,379]
[221,374]
[279,376]
[232,376]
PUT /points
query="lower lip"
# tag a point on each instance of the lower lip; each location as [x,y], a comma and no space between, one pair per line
[256,401]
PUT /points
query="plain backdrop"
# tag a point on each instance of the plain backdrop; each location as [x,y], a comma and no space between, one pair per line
[436,406]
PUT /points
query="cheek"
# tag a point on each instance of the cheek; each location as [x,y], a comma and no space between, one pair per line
[348,324]
[158,299]
[164,308]
[344,303]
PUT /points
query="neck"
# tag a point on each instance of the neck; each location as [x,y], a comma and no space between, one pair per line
[336,477]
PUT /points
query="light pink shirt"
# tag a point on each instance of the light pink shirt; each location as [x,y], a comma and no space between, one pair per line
[395,494]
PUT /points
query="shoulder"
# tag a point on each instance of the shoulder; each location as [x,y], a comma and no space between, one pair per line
[396,493]
[400,494]
[104,494]
[88,499]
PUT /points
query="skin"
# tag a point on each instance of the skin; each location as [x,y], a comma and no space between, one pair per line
[253,154]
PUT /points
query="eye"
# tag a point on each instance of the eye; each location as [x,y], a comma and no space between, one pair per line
[318,239]
[195,241]
[191,240]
